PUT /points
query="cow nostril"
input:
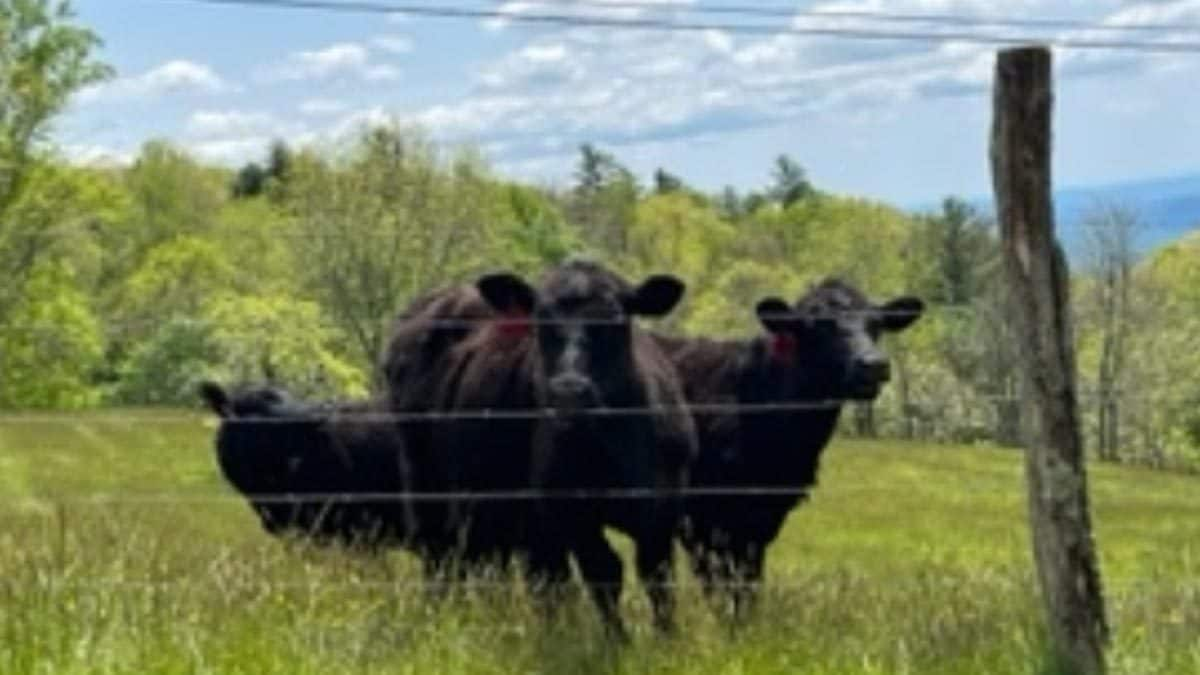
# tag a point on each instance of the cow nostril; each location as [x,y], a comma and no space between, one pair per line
[569,385]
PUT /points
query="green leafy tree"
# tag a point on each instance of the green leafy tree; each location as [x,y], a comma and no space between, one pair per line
[726,307]
[279,160]
[603,200]
[537,234]
[789,182]
[959,252]
[45,57]
[250,181]
[954,262]
[283,339]
[172,195]
[671,232]
[164,242]
[730,204]
[1106,304]
[1158,392]
[239,338]
[254,237]
[52,345]
[387,221]
[666,183]
[165,366]
[56,219]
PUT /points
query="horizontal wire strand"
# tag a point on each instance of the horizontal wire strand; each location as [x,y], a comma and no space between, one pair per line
[881,16]
[662,25]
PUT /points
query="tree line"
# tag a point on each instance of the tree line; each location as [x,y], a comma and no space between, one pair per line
[126,285]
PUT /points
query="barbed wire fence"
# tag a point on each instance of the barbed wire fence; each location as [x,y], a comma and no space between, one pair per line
[1174,45]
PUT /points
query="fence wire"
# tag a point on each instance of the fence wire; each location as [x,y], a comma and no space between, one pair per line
[329,412]
[1190,585]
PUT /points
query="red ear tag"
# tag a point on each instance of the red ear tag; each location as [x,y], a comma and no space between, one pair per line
[783,348]
[513,324]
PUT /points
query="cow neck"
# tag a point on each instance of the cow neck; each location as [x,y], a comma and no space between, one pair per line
[783,446]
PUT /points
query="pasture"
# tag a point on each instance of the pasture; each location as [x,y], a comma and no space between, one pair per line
[910,558]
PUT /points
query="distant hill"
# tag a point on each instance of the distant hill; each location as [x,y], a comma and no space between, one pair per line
[1170,207]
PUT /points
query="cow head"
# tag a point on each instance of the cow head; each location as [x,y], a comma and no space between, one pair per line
[830,339]
[263,445]
[582,317]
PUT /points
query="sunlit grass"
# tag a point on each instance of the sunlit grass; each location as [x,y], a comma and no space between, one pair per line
[909,559]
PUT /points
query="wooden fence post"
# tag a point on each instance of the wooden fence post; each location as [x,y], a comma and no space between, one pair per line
[1038,281]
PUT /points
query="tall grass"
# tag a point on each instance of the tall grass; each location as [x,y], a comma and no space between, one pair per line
[909,559]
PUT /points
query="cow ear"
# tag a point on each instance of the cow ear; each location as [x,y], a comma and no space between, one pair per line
[774,314]
[656,296]
[215,397]
[507,293]
[901,313]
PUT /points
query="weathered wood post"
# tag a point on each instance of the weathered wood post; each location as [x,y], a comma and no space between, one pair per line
[1060,520]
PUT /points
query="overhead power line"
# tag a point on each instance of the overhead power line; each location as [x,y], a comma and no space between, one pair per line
[666,25]
[886,17]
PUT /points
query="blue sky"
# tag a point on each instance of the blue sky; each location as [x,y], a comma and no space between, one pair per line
[902,121]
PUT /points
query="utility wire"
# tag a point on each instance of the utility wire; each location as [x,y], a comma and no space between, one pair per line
[885,17]
[361,6]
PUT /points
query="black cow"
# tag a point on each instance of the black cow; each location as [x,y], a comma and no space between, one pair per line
[312,468]
[569,348]
[812,356]
[419,369]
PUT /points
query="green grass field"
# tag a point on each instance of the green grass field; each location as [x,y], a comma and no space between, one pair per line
[909,559]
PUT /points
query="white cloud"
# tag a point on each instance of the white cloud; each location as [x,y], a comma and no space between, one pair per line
[321,63]
[319,107]
[540,169]
[91,154]
[392,44]
[474,116]
[587,9]
[381,73]
[771,52]
[507,9]
[352,122]
[1160,12]
[173,77]
[551,53]
[1086,62]
[231,151]
[957,7]
[719,40]
[226,123]
[628,88]
[546,62]
[336,61]
[234,137]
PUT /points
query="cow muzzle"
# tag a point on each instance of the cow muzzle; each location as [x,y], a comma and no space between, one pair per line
[571,391]
[867,378]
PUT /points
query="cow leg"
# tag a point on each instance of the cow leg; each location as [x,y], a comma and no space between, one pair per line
[547,574]
[602,571]
[701,563]
[442,569]
[713,569]
[749,576]
[656,568]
